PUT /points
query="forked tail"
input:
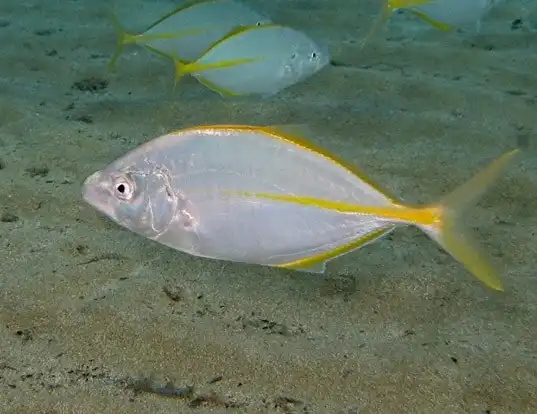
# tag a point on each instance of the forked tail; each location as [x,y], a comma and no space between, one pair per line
[449,232]
[181,69]
[121,39]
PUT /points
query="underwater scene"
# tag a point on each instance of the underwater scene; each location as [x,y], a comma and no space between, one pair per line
[285,206]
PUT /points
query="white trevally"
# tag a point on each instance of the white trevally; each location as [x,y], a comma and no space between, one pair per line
[442,14]
[189,30]
[257,60]
[263,195]
[451,14]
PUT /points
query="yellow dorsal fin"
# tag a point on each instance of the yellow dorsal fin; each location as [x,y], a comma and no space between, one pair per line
[179,9]
[297,134]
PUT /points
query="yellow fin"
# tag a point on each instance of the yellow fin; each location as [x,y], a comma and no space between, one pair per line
[183,7]
[123,38]
[315,262]
[451,235]
[435,23]
[222,91]
[297,134]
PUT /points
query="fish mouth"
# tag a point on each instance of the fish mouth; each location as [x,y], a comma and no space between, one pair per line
[90,187]
[96,193]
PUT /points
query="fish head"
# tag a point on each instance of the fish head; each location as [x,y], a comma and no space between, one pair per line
[308,58]
[140,200]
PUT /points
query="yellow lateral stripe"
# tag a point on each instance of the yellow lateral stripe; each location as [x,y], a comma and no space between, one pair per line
[338,251]
[200,67]
[423,216]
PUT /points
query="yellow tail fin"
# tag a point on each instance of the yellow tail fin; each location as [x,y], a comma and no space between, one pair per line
[123,38]
[449,232]
[181,69]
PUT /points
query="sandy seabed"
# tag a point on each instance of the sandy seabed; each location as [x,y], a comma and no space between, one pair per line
[95,319]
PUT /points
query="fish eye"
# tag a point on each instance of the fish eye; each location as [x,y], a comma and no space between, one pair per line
[314,55]
[124,188]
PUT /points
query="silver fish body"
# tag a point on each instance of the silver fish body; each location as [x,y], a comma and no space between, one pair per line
[262,195]
[180,190]
[456,13]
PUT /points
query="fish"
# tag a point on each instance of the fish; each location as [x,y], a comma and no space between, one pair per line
[257,60]
[189,30]
[452,14]
[266,195]
[444,15]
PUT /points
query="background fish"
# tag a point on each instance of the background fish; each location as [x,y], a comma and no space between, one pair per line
[451,14]
[260,60]
[441,14]
[262,195]
[188,31]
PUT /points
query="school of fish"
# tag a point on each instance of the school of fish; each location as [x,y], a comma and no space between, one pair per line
[230,48]
[237,51]
[264,194]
